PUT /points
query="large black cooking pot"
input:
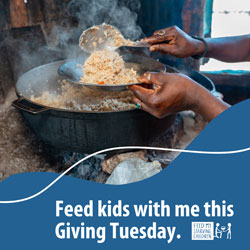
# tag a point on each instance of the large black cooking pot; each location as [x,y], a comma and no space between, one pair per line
[86,132]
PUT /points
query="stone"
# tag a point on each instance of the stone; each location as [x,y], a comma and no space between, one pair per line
[109,165]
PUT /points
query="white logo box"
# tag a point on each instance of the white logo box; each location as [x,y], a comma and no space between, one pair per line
[202,230]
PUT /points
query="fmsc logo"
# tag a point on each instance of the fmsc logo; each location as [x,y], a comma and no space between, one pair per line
[209,231]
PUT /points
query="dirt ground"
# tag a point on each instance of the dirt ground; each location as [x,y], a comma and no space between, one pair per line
[20,150]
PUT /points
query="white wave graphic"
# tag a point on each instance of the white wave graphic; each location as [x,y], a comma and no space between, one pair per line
[123,148]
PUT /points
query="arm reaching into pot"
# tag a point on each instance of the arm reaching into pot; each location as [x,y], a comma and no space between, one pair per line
[177,43]
[174,93]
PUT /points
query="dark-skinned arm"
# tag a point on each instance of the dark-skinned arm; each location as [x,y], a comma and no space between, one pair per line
[174,93]
[229,49]
[179,44]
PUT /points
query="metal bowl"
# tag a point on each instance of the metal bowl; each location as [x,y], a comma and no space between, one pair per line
[73,73]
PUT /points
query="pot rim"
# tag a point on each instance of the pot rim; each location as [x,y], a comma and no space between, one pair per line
[20,95]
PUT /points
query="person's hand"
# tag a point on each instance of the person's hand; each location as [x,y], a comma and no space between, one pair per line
[172,93]
[175,42]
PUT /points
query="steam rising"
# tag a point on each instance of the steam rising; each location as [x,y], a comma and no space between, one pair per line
[121,14]
[86,13]
[63,39]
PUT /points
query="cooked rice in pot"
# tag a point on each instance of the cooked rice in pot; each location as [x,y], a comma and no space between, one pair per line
[107,67]
[86,100]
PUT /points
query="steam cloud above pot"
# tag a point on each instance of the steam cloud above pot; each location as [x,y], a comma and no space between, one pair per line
[121,14]
[85,13]
[63,28]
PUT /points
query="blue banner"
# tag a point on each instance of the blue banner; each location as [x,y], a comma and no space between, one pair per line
[200,201]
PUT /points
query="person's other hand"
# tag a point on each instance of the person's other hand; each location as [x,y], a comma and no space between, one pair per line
[172,93]
[175,42]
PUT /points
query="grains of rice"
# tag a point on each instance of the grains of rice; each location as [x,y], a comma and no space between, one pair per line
[107,67]
[109,36]
[85,99]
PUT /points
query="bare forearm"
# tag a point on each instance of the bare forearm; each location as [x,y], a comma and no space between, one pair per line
[207,105]
[211,110]
[229,49]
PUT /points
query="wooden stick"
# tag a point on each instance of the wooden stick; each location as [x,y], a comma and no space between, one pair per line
[18,14]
